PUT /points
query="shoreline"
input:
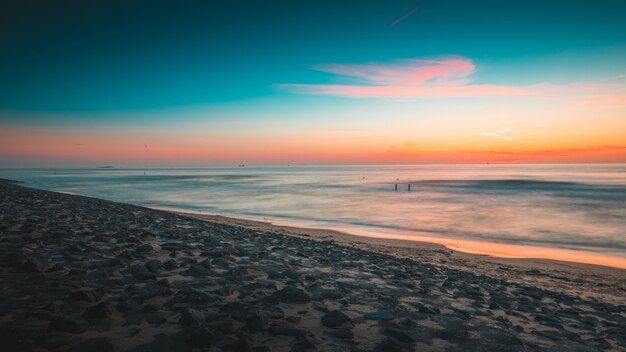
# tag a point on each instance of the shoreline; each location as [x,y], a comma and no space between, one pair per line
[348,235]
[501,249]
[83,274]
[549,273]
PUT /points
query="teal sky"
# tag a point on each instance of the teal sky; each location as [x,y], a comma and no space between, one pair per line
[405,71]
[72,56]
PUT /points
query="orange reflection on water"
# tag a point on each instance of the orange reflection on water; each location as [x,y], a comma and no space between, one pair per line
[507,250]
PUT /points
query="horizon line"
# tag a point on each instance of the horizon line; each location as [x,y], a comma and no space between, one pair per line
[110,167]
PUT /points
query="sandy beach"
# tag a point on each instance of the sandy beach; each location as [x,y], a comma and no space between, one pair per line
[596,281]
[84,274]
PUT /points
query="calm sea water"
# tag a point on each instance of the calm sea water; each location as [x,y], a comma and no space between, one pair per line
[558,206]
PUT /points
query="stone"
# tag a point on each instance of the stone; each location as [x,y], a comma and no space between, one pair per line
[192,296]
[286,330]
[64,324]
[196,271]
[274,312]
[36,264]
[192,317]
[200,337]
[255,323]
[388,345]
[154,290]
[342,333]
[301,344]
[144,248]
[140,272]
[454,329]
[294,319]
[335,319]
[498,339]
[153,265]
[165,343]
[380,315]
[237,310]
[237,345]
[101,310]
[170,264]
[291,294]
[82,296]
[402,335]
[56,267]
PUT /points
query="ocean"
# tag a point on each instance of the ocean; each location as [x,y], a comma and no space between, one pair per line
[578,207]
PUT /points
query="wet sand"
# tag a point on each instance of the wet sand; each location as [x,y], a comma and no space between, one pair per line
[83,274]
[596,281]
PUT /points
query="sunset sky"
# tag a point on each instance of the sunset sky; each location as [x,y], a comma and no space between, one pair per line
[171,83]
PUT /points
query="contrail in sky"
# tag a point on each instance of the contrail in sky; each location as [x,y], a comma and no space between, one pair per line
[404,17]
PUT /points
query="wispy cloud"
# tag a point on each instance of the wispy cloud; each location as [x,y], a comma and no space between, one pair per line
[447,72]
[447,77]
[406,78]
[404,17]
[507,134]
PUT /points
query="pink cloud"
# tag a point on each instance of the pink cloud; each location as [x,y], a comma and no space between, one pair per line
[406,78]
[407,72]
[450,77]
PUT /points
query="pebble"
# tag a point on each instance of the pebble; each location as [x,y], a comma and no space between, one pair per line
[335,319]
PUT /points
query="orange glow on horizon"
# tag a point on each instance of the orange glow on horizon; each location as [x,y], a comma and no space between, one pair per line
[177,148]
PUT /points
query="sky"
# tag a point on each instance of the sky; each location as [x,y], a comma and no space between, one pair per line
[196,83]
